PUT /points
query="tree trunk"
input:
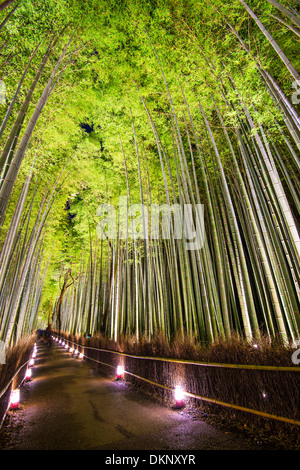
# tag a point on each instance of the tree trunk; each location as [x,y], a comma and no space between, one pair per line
[7,17]
[7,152]
[14,99]
[273,43]
[286,12]
[10,177]
[6,4]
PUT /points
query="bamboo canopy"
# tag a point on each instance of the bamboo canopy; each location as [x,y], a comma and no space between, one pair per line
[149,159]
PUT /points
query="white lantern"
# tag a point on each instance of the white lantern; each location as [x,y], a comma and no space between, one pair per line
[120,372]
[15,399]
[28,374]
[179,396]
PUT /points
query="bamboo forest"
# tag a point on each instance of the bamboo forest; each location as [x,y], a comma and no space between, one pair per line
[121,120]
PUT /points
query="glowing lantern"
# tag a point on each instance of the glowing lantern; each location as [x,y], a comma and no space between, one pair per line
[120,372]
[66,346]
[15,399]
[71,350]
[179,396]
[31,362]
[28,374]
[34,354]
[80,356]
[76,352]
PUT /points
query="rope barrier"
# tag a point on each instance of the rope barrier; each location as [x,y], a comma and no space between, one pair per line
[16,373]
[218,402]
[210,400]
[197,363]
[192,395]
[6,388]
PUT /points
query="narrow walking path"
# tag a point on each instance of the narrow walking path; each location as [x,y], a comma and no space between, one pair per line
[68,407]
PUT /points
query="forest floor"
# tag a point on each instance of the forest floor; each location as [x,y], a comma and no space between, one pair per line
[68,406]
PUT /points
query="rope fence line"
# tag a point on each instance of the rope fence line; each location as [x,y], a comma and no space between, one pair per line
[192,395]
[13,377]
[197,363]
[2,418]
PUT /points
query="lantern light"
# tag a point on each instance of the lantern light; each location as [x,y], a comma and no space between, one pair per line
[14,399]
[28,374]
[66,346]
[179,396]
[76,352]
[120,372]
[31,362]
[80,356]
[71,350]
[34,354]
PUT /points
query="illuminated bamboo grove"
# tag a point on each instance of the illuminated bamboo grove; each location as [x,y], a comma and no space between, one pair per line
[212,146]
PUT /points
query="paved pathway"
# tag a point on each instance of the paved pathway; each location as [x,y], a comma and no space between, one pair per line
[66,406]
